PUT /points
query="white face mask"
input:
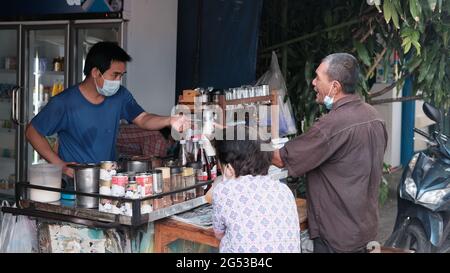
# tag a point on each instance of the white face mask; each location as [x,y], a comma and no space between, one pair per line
[109,87]
[328,101]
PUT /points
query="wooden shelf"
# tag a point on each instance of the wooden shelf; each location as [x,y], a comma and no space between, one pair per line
[271,100]
[248,100]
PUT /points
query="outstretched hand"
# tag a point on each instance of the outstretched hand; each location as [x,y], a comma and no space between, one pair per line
[180,123]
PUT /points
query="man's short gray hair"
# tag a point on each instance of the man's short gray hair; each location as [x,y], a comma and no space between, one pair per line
[344,68]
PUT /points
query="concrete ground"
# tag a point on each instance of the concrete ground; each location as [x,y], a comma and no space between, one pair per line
[388,211]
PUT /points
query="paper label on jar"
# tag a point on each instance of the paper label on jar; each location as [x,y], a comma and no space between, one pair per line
[107,174]
[214,172]
[203,176]
[105,190]
[117,190]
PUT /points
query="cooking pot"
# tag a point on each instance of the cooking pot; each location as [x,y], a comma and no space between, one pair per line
[86,179]
[137,164]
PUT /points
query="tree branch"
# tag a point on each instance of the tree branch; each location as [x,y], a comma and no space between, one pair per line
[377,61]
[310,35]
[382,91]
[374,102]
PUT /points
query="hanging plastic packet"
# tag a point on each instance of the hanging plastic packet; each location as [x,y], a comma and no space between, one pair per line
[274,78]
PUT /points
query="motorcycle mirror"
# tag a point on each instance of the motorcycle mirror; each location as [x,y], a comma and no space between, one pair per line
[432,112]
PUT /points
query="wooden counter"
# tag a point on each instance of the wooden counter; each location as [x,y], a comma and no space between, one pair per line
[169,230]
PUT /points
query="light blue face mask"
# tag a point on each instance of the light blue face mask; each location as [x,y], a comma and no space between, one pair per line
[109,87]
[328,101]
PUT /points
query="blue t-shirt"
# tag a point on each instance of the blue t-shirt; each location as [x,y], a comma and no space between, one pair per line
[87,132]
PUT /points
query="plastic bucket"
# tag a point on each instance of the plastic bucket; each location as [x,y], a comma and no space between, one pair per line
[46,175]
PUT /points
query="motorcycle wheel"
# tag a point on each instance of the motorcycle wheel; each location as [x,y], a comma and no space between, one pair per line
[414,238]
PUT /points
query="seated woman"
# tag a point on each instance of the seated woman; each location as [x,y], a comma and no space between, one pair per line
[251,211]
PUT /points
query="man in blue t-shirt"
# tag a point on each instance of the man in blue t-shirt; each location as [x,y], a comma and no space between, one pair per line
[86,116]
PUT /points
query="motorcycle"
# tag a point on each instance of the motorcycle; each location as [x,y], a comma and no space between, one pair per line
[423,203]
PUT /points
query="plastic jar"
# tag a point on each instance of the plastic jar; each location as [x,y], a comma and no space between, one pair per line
[176,183]
[158,181]
[189,180]
[198,174]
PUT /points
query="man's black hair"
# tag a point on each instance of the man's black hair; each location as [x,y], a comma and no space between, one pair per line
[102,54]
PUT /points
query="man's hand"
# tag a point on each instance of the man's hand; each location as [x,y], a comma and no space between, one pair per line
[180,123]
[276,159]
[67,170]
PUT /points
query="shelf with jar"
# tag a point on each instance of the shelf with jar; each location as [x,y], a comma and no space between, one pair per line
[7,155]
[8,71]
[7,130]
[232,96]
[231,100]
[49,73]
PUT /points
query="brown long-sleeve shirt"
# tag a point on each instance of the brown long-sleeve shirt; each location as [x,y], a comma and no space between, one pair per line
[342,155]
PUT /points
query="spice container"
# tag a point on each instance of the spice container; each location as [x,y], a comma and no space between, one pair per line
[189,180]
[176,183]
[157,181]
[105,189]
[166,200]
[146,206]
[118,184]
[107,170]
[132,190]
[145,184]
[198,174]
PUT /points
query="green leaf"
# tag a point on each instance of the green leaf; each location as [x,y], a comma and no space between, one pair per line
[407,48]
[417,46]
[387,10]
[395,19]
[413,63]
[442,65]
[445,39]
[308,72]
[432,72]
[432,4]
[362,53]
[415,9]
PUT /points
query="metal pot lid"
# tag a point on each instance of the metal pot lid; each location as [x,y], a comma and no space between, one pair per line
[83,165]
[135,158]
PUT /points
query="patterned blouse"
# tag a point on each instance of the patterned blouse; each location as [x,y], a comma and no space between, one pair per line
[257,214]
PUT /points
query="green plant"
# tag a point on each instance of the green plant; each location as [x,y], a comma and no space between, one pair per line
[415,32]
[384,185]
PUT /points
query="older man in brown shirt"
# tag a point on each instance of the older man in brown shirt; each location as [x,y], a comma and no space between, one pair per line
[342,156]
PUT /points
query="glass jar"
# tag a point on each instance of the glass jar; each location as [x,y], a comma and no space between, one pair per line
[197,170]
[157,181]
[189,180]
[177,183]
[167,199]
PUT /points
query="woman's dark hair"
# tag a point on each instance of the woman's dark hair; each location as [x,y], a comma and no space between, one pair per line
[102,54]
[245,156]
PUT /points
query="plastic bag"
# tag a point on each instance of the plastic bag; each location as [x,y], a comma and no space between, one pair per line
[6,227]
[18,234]
[275,80]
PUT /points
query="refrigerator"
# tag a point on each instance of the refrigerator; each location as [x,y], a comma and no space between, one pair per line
[38,59]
